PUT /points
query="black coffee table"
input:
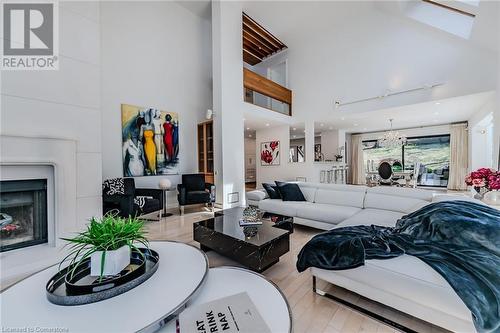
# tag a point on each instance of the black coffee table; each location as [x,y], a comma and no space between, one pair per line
[257,248]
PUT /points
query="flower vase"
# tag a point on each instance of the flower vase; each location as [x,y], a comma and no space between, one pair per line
[492,198]
[114,261]
[480,192]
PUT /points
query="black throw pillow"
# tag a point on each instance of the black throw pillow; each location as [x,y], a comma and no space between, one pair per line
[290,192]
[272,191]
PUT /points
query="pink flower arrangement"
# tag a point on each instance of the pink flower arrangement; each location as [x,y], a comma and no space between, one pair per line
[484,177]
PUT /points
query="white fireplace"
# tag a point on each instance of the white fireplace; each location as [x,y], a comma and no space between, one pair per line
[26,206]
[52,160]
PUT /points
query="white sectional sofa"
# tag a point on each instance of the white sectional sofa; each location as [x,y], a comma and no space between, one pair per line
[405,283]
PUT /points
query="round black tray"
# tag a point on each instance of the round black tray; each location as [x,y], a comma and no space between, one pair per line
[81,289]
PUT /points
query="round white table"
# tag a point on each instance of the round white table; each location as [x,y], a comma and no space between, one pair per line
[227,281]
[182,271]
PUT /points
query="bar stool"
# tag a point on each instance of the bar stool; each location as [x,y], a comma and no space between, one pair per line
[346,173]
[341,174]
[322,176]
[329,176]
[334,174]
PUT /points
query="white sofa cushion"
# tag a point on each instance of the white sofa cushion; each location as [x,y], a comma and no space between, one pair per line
[369,216]
[414,193]
[326,213]
[342,198]
[393,202]
[308,192]
[455,197]
[403,279]
[257,195]
[278,206]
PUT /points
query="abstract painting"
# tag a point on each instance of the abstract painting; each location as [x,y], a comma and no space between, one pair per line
[150,141]
[270,153]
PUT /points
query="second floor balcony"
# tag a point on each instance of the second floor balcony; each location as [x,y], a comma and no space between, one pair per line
[265,93]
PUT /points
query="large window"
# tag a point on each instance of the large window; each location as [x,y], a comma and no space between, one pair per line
[431,154]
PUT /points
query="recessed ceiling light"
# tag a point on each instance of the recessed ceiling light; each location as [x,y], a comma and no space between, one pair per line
[249,135]
[248,128]
[295,128]
[267,125]
[437,103]
[355,125]
[321,124]
[294,136]
[343,118]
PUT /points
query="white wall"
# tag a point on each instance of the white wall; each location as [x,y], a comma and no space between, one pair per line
[250,159]
[330,144]
[481,137]
[55,117]
[154,54]
[65,103]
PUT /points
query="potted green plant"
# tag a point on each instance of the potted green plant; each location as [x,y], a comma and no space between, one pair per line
[108,241]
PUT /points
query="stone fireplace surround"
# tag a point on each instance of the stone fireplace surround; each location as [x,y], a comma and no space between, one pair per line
[58,155]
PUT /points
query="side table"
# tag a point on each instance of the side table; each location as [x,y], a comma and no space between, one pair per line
[226,281]
[182,272]
[165,213]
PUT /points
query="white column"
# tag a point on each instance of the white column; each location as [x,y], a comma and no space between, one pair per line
[496,117]
[228,99]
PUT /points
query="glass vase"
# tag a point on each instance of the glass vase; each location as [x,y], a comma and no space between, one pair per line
[492,198]
[480,192]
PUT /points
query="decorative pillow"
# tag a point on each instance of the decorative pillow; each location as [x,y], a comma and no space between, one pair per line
[290,191]
[272,191]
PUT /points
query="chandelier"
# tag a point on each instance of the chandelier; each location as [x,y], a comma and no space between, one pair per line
[392,138]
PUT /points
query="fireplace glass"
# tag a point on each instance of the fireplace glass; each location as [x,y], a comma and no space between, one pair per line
[23,213]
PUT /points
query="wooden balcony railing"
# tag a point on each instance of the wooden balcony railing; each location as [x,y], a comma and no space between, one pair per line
[253,82]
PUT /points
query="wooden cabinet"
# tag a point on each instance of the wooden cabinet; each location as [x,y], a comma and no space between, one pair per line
[206,150]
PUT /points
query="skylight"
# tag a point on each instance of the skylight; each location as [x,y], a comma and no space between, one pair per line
[455,17]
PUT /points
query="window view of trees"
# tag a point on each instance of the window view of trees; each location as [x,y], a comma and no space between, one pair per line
[430,154]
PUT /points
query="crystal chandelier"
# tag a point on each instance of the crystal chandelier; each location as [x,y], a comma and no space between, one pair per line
[392,138]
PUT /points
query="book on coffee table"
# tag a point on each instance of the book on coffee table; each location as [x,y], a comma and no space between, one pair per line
[247,223]
[232,314]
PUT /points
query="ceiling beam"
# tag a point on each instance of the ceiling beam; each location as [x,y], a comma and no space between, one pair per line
[257,42]
[457,10]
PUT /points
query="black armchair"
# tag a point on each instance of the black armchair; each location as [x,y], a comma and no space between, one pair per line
[194,190]
[123,201]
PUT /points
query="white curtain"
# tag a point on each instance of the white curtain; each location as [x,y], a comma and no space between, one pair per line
[459,156]
[357,164]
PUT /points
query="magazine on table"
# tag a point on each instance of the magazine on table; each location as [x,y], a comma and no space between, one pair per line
[232,314]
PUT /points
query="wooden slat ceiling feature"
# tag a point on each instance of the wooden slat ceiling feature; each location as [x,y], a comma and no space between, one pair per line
[258,43]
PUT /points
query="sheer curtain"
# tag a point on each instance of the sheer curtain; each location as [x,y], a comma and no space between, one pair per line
[357,163]
[459,156]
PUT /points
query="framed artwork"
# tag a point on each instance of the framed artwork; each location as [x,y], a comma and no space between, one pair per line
[150,141]
[270,153]
[317,152]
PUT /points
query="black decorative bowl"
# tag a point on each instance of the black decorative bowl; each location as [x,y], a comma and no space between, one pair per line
[80,288]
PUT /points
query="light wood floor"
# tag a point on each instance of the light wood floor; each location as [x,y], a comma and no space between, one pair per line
[311,312]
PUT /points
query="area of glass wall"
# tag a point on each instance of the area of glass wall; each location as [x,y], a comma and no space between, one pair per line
[266,102]
[430,154]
